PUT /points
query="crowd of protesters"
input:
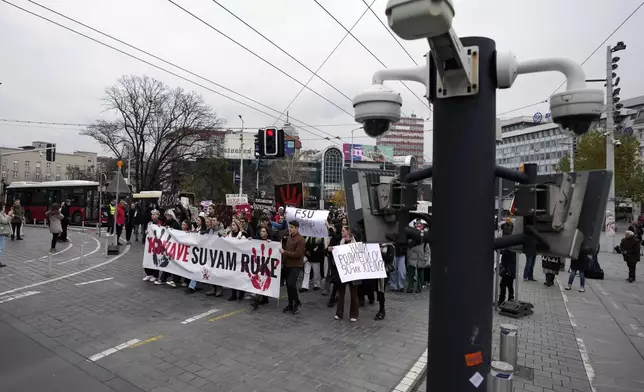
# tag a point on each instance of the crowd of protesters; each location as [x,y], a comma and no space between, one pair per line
[307,260]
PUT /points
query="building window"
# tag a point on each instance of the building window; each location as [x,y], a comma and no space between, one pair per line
[48,166]
[57,176]
[4,174]
[48,176]
[27,175]
[15,174]
[27,163]
[58,168]
[37,165]
[37,176]
[15,165]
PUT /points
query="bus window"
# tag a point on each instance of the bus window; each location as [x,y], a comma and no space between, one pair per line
[54,196]
[77,197]
[36,197]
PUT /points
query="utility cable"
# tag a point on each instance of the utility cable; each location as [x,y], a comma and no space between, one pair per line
[166,70]
[322,65]
[315,73]
[259,57]
[423,101]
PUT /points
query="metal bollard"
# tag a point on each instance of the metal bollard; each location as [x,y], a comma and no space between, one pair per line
[81,260]
[509,344]
[34,221]
[500,377]
[98,229]
[107,244]
[49,263]
[44,223]
[83,224]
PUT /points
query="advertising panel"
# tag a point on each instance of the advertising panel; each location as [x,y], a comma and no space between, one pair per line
[366,153]
[232,146]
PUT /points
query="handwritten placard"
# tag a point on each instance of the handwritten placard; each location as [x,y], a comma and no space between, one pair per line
[234,199]
[358,261]
[312,222]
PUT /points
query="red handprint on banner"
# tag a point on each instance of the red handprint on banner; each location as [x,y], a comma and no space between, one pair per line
[290,195]
[260,281]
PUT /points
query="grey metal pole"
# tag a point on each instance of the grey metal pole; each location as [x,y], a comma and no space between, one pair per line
[257,175]
[464,160]
[81,260]
[500,377]
[610,127]
[509,344]
[49,263]
[107,243]
[572,154]
[351,150]
[241,158]
[517,276]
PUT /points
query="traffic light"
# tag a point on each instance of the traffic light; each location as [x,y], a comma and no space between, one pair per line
[50,154]
[273,143]
[259,143]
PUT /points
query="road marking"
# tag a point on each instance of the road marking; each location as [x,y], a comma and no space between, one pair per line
[614,304]
[199,316]
[227,315]
[16,296]
[146,341]
[53,254]
[590,372]
[106,262]
[93,281]
[98,247]
[113,350]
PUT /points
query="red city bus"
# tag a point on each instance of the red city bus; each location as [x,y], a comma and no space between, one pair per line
[36,197]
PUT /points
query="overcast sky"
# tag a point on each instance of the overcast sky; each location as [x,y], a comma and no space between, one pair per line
[50,74]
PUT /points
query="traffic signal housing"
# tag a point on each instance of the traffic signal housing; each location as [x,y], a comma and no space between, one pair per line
[259,143]
[273,143]
[50,153]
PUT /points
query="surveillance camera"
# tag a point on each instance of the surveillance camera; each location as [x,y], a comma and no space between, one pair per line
[413,19]
[617,143]
[576,110]
[376,108]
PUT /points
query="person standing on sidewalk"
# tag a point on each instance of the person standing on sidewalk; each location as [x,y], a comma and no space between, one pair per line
[528,270]
[293,262]
[354,309]
[314,256]
[55,224]
[17,214]
[64,210]
[262,234]
[5,229]
[507,272]
[551,266]
[630,247]
[579,265]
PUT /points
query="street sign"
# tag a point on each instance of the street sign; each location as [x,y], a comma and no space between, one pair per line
[628,131]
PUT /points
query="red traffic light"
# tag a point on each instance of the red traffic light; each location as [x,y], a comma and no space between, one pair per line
[270,132]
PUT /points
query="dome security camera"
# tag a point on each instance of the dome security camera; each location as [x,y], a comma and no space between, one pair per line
[414,19]
[617,143]
[376,108]
[576,110]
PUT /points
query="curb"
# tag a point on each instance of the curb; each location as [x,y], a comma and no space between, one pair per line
[414,376]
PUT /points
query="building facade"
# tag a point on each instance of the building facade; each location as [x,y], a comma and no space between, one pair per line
[27,164]
[407,137]
[525,141]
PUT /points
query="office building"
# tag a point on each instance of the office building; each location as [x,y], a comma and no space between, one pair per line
[26,163]
[407,137]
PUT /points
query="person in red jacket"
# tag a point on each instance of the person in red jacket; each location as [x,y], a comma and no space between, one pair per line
[120,219]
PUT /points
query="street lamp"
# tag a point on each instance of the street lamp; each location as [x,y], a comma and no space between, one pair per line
[241,156]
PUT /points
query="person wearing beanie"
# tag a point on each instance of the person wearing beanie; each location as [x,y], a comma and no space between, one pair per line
[630,247]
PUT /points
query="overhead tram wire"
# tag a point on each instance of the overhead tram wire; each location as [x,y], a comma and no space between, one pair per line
[388,30]
[585,60]
[423,101]
[322,65]
[166,70]
[315,73]
[259,57]
[605,40]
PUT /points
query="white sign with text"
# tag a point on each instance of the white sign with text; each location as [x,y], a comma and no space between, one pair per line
[358,261]
[233,199]
[312,222]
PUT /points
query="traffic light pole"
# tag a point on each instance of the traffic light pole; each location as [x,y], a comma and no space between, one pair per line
[241,163]
[610,128]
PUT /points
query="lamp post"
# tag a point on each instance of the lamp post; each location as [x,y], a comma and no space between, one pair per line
[241,157]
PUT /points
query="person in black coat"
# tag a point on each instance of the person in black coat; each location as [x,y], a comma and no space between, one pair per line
[507,272]
[580,264]
[64,210]
[130,218]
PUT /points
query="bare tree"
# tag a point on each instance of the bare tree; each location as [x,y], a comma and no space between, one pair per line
[158,128]
[77,173]
[288,170]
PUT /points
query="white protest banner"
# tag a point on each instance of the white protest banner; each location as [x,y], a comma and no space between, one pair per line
[235,199]
[312,222]
[359,261]
[253,266]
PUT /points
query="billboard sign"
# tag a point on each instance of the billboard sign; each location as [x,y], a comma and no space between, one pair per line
[232,146]
[289,148]
[366,153]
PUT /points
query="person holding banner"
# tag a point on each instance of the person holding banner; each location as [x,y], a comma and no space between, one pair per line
[151,275]
[236,231]
[314,256]
[347,238]
[293,261]
[260,299]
